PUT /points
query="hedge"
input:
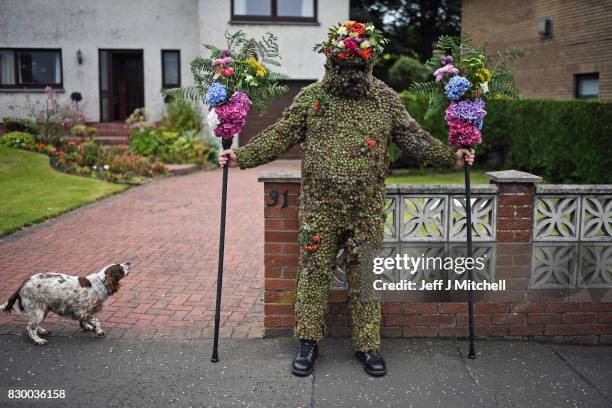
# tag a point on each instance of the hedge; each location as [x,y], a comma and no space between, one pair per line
[562,141]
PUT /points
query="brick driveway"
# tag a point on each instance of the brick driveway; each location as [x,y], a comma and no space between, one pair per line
[169,229]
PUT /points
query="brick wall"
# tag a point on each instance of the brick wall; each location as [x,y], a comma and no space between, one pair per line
[580,42]
[517,312]
[281,254]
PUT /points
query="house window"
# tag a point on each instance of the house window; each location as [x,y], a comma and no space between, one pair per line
[30,68]
[171,68]
[587,86]
[274,10]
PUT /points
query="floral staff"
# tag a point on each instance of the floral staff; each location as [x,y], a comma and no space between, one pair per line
[463,77]
[230,81]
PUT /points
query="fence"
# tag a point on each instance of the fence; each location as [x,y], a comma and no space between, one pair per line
[551,245]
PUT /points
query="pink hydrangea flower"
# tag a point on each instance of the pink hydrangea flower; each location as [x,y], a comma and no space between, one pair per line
[446,59]
[461,134]
[232,115]
[448,69]
[222,61]
[241,98]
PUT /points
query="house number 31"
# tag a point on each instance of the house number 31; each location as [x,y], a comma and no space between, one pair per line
[275,196]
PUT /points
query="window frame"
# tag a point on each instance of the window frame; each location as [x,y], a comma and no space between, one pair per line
[578,77]
[274,18]
[33,86]
[163,67]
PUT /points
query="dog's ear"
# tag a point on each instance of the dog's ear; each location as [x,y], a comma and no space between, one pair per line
[114,274]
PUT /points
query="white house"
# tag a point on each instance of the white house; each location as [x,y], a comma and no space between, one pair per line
[120,54]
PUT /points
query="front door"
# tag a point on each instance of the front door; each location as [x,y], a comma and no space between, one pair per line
[121,84]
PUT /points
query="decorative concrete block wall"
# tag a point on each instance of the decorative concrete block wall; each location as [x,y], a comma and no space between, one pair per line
[558,277]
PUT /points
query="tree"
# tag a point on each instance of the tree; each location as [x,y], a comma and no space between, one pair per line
[411,26]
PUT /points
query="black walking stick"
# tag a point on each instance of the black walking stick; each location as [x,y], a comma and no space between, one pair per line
[226,144]
[468,222]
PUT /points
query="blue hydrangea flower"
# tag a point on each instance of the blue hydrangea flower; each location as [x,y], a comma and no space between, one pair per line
[456,87]
[217,93]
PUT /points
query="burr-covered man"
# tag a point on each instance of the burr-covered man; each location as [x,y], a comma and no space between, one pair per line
[345,124]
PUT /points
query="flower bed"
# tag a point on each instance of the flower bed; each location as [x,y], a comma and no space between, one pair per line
[89,159]
[51,128]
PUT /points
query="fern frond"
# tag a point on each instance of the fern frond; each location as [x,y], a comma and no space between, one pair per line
[437,103]
[193,93]
[504,88]
[424,88]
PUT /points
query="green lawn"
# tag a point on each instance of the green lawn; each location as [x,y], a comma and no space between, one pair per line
[31,191]
[455,177]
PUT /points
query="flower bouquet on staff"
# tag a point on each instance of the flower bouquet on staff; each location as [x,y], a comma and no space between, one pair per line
[463,79]
[230,81]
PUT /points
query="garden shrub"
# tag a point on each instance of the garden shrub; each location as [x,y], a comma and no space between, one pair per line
[190,147]
[176,140]
[19,125]
[168,137]
[137,118]
[83,131]
[144,141]
[406,70]
[21,140]
[89,153]
[562,141]
[182,115]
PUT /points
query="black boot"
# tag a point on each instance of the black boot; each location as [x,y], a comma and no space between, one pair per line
[373,363]
[303,363]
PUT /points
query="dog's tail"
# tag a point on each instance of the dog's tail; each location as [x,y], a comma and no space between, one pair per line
[7,307]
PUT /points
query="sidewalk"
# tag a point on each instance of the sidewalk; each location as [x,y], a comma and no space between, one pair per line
[255,373]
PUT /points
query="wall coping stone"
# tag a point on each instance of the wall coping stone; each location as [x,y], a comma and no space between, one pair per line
[440,188]
[513,176]
[574,189]
[285,176]
[280,176]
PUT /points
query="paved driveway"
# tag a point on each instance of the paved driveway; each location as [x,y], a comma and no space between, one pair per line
[169,229]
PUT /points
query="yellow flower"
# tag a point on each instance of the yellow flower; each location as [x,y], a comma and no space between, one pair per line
[484,75]
[256,66]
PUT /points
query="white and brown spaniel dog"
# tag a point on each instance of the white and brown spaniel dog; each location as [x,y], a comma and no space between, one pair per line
[75,297]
